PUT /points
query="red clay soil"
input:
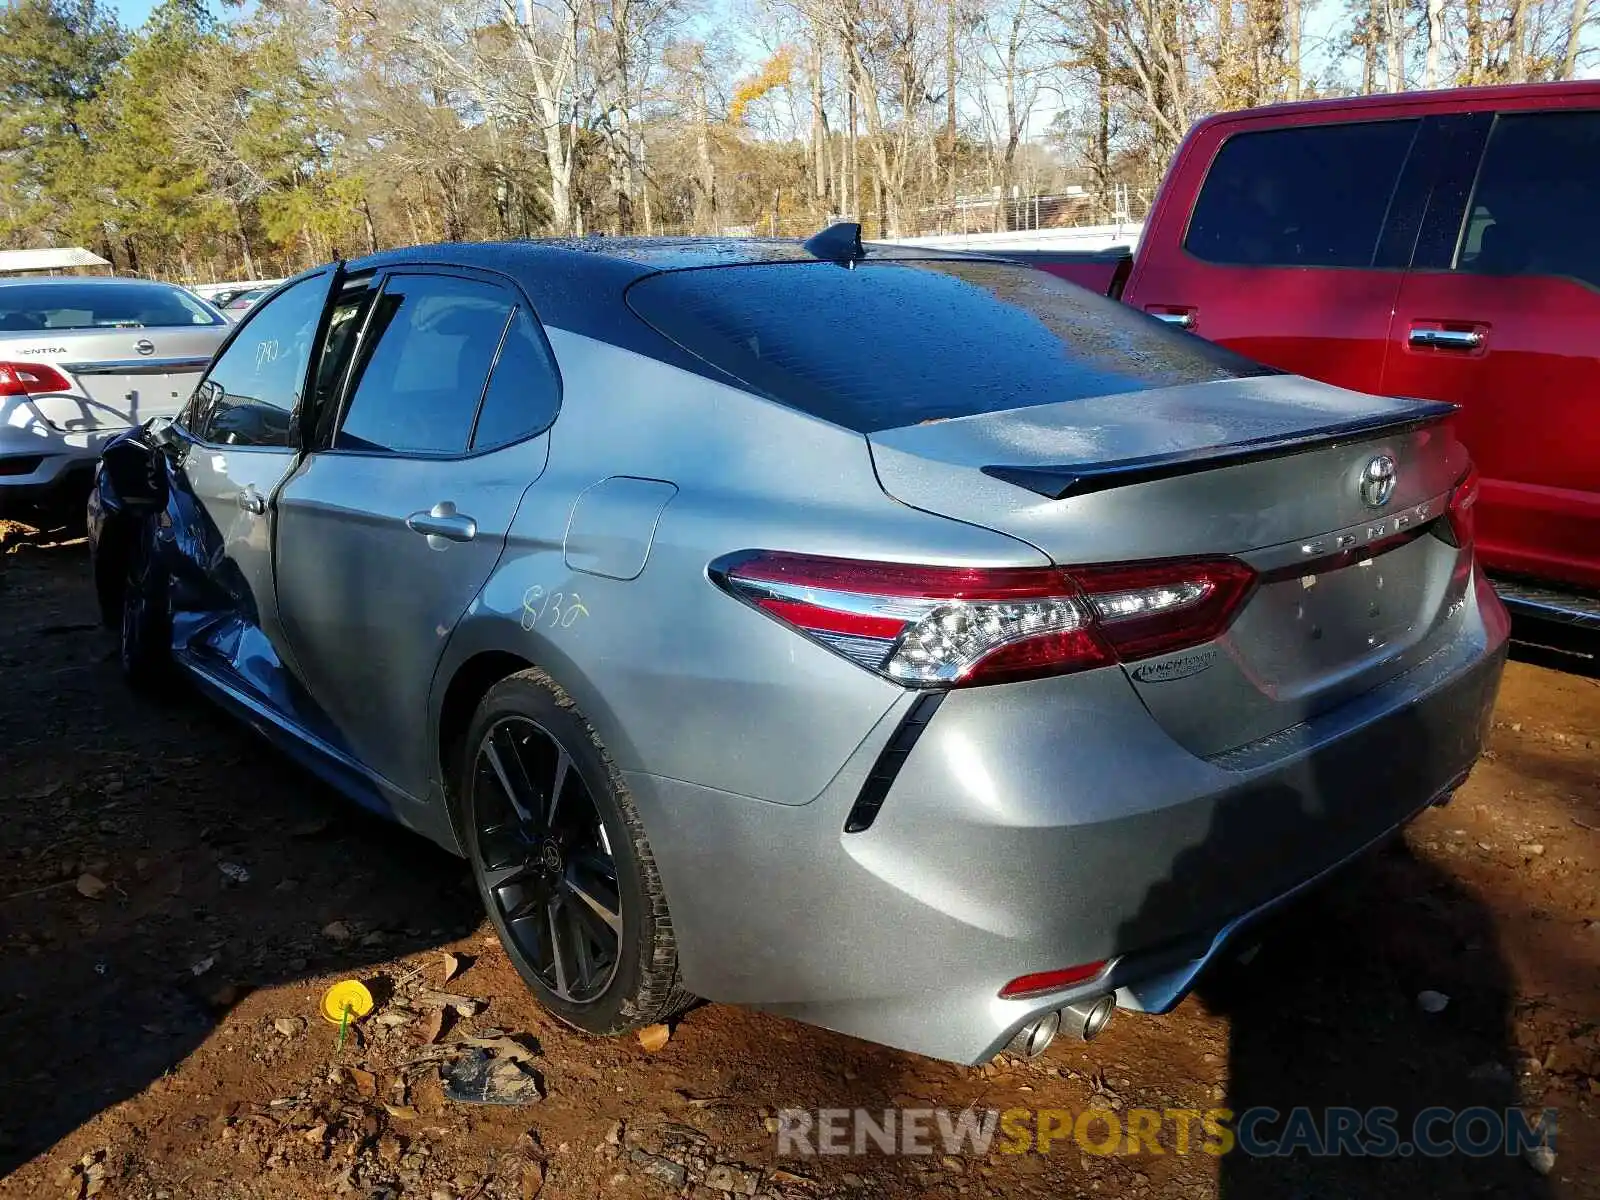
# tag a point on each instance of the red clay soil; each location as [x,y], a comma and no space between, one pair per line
[174,899]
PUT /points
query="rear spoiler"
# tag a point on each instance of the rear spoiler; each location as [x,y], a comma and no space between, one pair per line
[1079,479]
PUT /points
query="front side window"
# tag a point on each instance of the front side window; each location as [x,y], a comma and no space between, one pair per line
[1304,196]
[1533,210]
[429,344]
[249,396]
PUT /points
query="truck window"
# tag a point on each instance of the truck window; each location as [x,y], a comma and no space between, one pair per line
[1304,196]
[1532,212]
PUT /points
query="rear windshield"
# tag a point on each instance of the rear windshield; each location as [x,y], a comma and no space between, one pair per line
[125,305]
[895,343]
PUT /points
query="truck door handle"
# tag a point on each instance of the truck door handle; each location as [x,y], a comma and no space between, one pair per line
[442,520]
[1447,339]
[252,501]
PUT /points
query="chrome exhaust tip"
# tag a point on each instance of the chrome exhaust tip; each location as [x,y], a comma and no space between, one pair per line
[1086,1019]
[1034,1038]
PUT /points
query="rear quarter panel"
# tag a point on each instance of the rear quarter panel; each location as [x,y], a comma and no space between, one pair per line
[677,678]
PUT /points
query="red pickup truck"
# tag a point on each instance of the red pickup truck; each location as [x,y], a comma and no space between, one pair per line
[1443,245]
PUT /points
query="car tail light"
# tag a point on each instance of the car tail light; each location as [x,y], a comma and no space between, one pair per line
[1050,981]
[958,626]
[1462,509]
[31,379]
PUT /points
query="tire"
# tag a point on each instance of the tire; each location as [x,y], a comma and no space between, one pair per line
[581,867]
[110,564]
[145,628]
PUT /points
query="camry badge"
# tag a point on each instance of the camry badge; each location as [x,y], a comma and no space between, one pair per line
[1377,481]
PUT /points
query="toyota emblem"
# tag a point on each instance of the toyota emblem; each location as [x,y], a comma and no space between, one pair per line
[145,346]
[1378,480]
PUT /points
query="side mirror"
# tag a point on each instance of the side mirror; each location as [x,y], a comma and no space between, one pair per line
[159,431]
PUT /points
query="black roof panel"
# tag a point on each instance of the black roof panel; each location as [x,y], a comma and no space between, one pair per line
[645,255]
[578,284]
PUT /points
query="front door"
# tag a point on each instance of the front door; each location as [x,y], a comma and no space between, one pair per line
[393,523]
[1500,315]
[240,447]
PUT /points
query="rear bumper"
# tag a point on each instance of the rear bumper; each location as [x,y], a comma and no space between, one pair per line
[1042,825]
[37,462]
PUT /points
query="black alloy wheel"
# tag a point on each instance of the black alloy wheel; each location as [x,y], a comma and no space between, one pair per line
[545,859]
[561,859]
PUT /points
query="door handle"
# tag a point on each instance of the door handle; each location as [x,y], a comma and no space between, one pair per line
[252,501]
[1447,339]
[442,520]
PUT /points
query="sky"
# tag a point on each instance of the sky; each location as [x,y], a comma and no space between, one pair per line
[133,12]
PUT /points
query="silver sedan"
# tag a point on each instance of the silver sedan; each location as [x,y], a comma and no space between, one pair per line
[81,360]
[906,642]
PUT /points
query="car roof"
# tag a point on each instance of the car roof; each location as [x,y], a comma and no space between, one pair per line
[578,284]
[622,256]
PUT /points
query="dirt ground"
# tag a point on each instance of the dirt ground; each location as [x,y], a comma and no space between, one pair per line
[174,899]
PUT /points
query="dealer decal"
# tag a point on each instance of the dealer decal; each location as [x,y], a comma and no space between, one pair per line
[1179,666]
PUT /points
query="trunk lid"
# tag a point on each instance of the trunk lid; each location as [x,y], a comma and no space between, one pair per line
[1269,470]
[121,376]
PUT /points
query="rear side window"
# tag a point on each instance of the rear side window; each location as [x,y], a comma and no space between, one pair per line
[893,343]
[131,304]
[429,344]
[1305,196]
[524,392]
[1533,210]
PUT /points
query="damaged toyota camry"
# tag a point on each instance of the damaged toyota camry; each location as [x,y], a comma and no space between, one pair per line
[907,642]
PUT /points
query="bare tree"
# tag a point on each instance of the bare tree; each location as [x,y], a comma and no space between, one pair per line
[819,124]
[1569,57]
[1394,42]
[1518,59]
[1009,45]
[1472,69]
[547,36]
[1430,69]
[1295,17]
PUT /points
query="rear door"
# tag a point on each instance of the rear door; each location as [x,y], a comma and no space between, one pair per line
[395,520]
[1501,315]
[1292,252]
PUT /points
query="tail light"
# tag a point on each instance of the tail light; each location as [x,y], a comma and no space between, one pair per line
[1462,509]
[31,379]
[958,626]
